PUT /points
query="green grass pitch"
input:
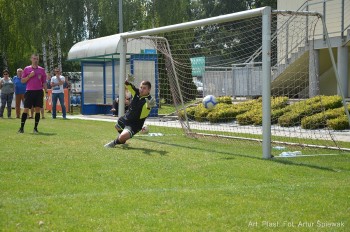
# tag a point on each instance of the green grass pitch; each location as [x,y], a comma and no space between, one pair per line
[65,180]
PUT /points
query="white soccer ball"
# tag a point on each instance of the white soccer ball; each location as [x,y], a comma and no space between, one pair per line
[144,129]
[209,102]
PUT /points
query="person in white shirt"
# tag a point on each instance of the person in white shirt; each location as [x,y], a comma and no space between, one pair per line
[57,82]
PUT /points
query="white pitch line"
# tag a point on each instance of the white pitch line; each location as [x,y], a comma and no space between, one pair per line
[296,156]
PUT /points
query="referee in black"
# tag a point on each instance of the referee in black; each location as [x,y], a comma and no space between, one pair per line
[139,109]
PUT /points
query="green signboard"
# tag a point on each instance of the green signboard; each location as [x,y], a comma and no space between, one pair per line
[198,66]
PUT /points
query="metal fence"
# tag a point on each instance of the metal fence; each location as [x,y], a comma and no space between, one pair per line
[240,80]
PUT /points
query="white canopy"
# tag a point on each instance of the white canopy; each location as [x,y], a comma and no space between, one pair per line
[105,47]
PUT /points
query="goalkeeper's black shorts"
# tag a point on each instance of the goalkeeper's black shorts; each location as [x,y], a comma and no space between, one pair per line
[133,127]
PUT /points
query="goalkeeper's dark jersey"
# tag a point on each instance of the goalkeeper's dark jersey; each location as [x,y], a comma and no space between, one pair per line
[138,111]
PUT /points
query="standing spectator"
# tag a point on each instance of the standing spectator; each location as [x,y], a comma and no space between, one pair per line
[7,89]
[48,80]
[116,103]
[20,89]
[35,77]
[57,83]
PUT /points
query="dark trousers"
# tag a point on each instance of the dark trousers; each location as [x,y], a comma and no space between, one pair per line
[116,106]
[6,99]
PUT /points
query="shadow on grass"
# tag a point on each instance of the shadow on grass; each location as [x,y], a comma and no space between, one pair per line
[290,162]
[145,151]
[201,149]
[286,162]
[45,134]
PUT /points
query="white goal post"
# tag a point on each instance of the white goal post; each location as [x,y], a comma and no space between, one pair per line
[263,68]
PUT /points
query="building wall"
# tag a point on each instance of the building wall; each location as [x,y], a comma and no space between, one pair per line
[331,8]
[333,18]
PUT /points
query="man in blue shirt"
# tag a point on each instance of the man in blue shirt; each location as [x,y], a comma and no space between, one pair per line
[20,89]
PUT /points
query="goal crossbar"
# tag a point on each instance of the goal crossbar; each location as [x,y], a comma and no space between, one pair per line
[202,22]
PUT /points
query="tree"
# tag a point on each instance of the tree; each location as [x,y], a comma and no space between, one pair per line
[25,26]
[260,3]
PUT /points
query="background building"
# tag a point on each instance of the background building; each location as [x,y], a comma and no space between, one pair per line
[337,18]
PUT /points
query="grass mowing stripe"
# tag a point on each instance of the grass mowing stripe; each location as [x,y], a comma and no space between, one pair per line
[158,190]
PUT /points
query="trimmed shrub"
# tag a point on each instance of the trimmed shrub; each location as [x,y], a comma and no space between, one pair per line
[295,112]
[200,115]
[339,123]
[276,113]
[224,99]
[254,116]
[293,118]
[319,120]
[279,102]
[250,117]
[312,113]
[225,112]
[190,112]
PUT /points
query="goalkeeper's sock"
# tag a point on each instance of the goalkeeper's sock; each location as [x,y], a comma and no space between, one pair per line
[117,141]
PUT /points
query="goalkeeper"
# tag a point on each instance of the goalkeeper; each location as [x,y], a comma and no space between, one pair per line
[139,109]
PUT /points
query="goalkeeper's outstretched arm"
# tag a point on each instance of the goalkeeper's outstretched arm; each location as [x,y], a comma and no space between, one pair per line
[151,103]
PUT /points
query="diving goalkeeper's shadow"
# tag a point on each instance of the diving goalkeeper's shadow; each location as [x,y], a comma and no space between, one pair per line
[285,162]
[197,148]
[146,151]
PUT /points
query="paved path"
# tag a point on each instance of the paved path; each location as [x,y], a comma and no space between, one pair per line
[295,132]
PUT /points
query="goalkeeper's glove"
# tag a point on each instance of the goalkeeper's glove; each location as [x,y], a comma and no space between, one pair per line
[130,78]
[151,103]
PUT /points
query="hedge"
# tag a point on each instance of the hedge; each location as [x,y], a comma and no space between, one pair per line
[224,99]
[312,113]
[319,120]
[225,113]
[339,123]
[295,112]
[254,116]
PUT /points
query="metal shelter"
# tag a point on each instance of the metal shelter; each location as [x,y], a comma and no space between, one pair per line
[100,64]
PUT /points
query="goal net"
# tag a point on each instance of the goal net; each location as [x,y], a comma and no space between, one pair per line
[224,57]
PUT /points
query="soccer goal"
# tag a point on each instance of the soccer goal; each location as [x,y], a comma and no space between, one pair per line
[260,66]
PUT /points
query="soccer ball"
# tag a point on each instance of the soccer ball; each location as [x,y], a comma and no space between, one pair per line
[144,130]
[209,102]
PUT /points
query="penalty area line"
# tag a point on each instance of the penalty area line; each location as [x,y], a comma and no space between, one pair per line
[154,135]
